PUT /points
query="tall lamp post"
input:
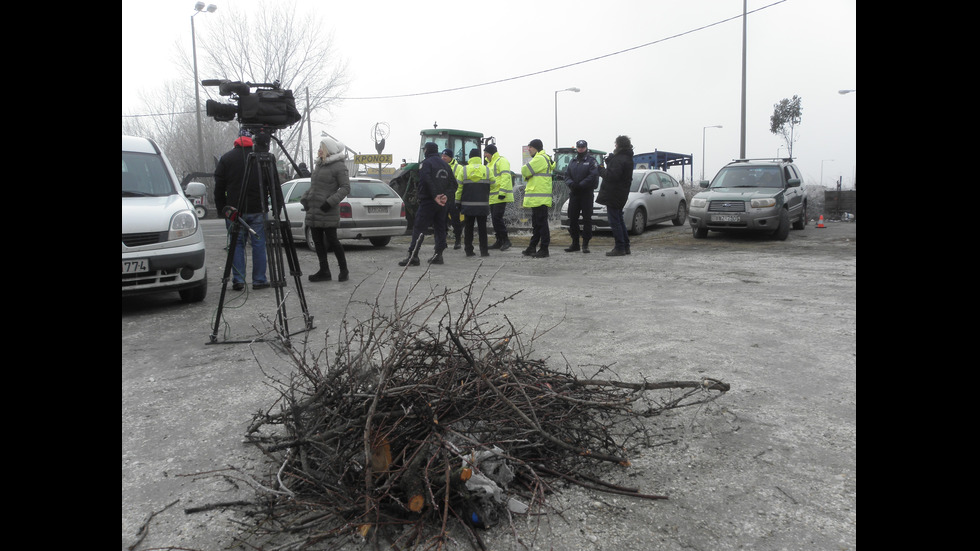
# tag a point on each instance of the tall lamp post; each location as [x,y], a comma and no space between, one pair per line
[702,146]
[556,110]
[198,8]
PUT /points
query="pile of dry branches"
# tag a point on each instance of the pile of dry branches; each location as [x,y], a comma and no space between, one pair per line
[432,415]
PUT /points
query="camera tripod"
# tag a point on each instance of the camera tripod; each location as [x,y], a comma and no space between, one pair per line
[278,242]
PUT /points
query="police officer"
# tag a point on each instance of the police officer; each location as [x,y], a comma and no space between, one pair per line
[473,196]
[451,205]
[435,177]
[582,177]
[537,197]
[501,193]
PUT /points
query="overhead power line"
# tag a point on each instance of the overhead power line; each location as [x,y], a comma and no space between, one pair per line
[560,66]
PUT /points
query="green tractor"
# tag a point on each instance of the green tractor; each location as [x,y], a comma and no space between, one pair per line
[405,180]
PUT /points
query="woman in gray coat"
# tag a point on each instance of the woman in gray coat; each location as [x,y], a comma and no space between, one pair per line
[329,185]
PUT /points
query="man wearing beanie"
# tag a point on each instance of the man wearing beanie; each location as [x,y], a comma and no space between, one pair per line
[452,207]
[501,193]
[473,196]
[232,193]
[435,180]
[537,197]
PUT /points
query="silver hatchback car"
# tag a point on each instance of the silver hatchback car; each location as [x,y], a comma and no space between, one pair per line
[655,197]
[371,211]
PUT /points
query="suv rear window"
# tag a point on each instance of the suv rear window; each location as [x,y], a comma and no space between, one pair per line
[748,176]
[145,174]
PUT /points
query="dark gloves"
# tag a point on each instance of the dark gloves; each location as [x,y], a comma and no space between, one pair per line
[325,207]
[230,212]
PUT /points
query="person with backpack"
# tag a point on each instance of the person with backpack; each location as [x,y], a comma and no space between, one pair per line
[436,181]
[582,178]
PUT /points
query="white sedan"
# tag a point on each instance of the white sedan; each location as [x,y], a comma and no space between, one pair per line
[372,211]
[655,197]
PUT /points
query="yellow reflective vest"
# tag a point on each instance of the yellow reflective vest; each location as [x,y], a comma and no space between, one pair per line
[503,181]
[537,172]
[473,195]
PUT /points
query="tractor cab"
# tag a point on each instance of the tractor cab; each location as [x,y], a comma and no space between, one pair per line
[461,142]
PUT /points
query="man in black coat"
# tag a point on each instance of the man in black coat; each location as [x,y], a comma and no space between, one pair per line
[617,176]
[581,177]
[436,180]
[233,194]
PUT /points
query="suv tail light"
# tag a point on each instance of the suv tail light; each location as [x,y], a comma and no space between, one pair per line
[345,210]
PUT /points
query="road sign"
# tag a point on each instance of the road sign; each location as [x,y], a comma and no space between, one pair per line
[372,159]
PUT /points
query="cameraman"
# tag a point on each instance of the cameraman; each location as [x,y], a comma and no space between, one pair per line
[229,191]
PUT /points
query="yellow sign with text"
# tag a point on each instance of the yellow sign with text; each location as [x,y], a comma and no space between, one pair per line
[372,159]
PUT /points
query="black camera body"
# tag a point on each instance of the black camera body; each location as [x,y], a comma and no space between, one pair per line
[269,105]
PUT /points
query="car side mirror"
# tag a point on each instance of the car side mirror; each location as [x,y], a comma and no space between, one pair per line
[793,182]
[196,189]
[704,183]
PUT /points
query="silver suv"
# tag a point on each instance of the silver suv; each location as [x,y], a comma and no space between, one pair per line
[763,195]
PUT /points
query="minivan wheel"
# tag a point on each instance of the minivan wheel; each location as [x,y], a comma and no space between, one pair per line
[200,211]
[195,294]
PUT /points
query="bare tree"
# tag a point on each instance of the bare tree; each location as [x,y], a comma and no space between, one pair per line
[785,117]
[278,45]
[273,44]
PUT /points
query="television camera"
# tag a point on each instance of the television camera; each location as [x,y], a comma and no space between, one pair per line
[269,105]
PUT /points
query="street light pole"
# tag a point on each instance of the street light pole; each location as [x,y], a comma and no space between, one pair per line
[198,7]
[556,110]
[702,146]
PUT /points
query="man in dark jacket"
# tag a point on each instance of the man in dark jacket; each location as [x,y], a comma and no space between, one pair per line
[581,177]
[233,194]
[436,181]
[617,176]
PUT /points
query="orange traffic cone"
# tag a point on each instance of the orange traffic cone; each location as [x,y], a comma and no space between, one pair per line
[820,222]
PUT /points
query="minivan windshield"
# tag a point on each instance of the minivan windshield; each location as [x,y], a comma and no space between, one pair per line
[748,176]
[144,174]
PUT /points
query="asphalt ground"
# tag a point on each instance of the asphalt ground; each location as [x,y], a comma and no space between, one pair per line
[770,466]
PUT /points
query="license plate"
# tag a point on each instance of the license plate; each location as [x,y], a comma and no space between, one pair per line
[377,210]
[725,218]
[135,266]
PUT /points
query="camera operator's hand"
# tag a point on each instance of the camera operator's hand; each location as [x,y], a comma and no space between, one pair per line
[325,207]
[230,212]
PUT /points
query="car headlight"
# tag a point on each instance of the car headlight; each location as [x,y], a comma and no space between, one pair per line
[698,203]
[763,203]
[183,224]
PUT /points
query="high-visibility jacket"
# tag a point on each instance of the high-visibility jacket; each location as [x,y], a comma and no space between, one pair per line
[474,189]
[537,172]
[502,189]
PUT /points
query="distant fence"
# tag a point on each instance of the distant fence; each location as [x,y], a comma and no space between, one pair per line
[836,203]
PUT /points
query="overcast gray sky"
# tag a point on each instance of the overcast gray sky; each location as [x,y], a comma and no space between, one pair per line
[666,69]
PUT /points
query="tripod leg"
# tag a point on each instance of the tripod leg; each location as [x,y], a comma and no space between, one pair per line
[232,244]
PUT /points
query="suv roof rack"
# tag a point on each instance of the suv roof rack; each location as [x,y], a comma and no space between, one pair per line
[783,159]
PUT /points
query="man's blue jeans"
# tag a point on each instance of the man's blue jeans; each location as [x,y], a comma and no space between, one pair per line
[257,223]
[618,227]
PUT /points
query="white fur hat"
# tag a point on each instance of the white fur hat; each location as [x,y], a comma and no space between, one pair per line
[332,146]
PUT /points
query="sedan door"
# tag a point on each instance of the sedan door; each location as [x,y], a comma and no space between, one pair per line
[292,192]
[671,194]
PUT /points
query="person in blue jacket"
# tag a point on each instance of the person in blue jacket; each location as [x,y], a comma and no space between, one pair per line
[436,181]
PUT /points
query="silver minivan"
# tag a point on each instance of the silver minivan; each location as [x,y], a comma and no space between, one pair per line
[162,240]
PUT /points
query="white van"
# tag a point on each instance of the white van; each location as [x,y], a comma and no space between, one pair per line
[162,241]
